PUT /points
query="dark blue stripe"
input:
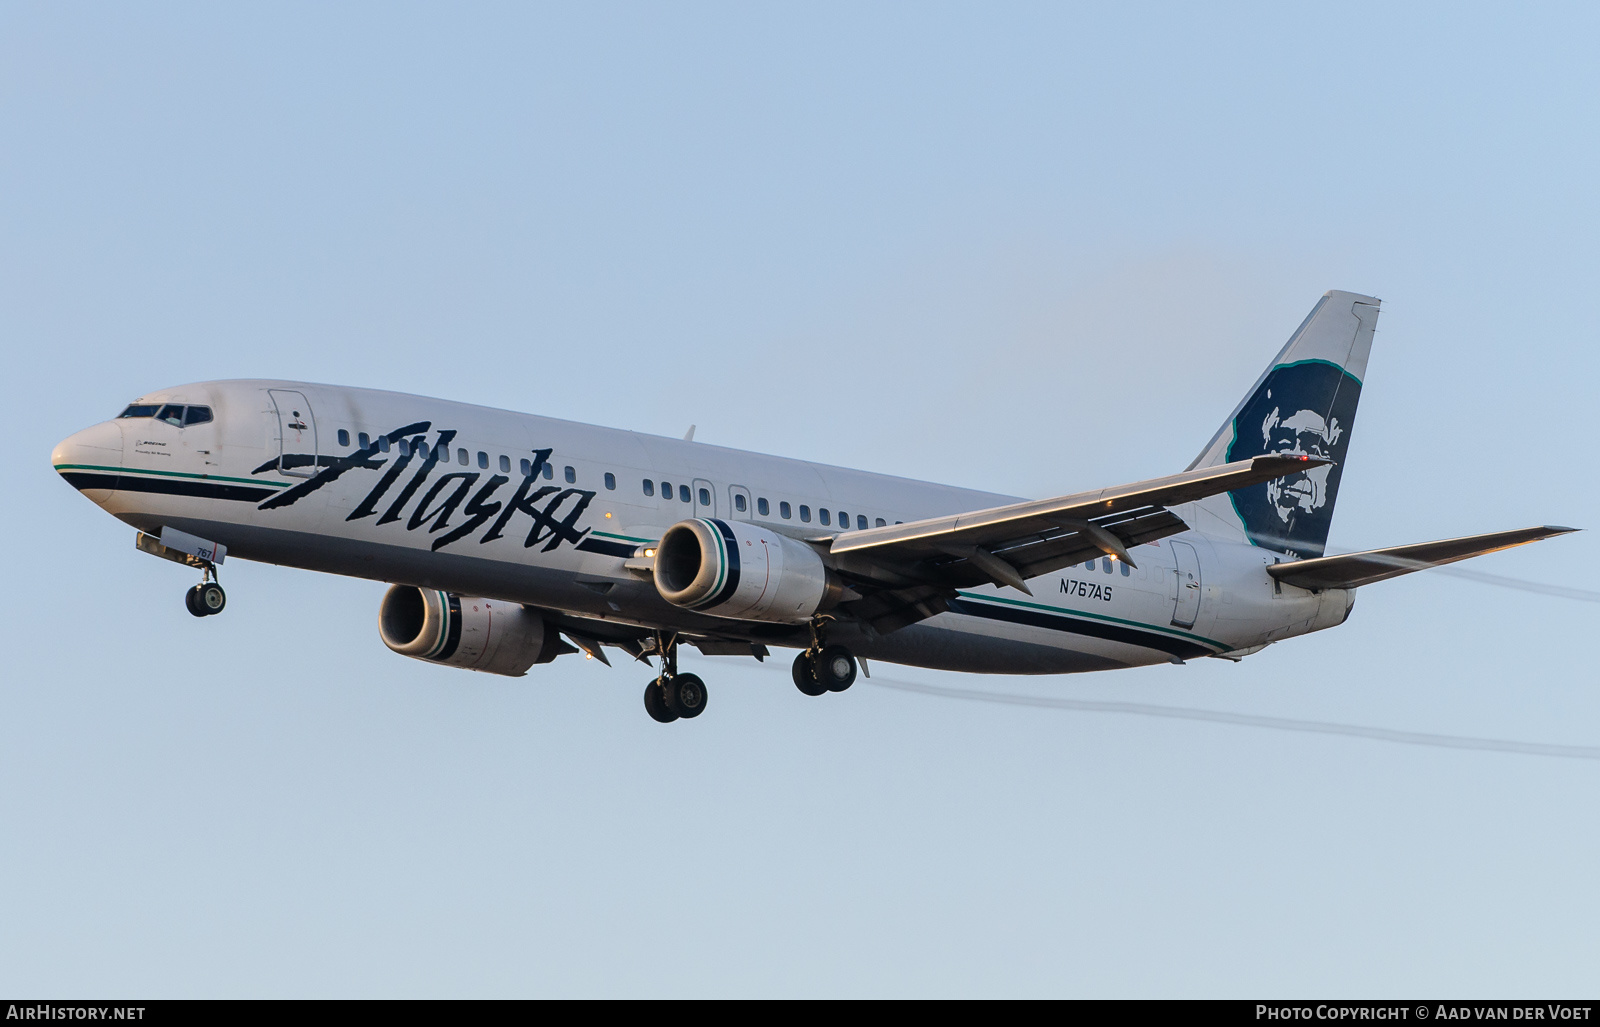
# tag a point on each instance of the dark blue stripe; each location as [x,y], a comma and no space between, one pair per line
[1178,647]
[166,486]
[731,585]
[600,545]
[453,634]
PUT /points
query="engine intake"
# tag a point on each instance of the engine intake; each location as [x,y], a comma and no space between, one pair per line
[463,631]
[741,571]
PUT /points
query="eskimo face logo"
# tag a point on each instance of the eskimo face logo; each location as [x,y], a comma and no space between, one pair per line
[1303,433]
[1303,409]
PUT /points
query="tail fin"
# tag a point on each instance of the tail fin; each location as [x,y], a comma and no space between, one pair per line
[1305,402]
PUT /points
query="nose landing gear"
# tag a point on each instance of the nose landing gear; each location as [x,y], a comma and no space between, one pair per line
[207,597]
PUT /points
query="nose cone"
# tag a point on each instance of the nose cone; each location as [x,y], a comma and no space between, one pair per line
[91,459]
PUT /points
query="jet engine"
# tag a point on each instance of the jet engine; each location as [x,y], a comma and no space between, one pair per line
[739,570]
[462,631]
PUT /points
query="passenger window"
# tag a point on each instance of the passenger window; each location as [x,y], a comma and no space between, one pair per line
[1105,564]
[422,450]
[1089,566]
[844,519]
[344,437]
[879,523]
[705,497]
[137,410]
[649,487]
[805,513]
[683,494]
[526,468]
[861,522]
[383,444]
[822,515]
[569,474]
[1124,565]
[505,464]
[462,458]
[783,510]
[549,472]
[200,415]
[738,502]
[172,414]
[364,439]
[763,507]
[611,481]
[483,460]
[666,490]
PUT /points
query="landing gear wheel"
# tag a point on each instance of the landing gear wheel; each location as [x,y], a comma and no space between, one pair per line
[805,677]
[191,599]
[836,668]
[685,696]
[210,598]
[655,704]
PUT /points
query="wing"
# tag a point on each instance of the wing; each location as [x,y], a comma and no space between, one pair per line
[1355,569]
[905,572]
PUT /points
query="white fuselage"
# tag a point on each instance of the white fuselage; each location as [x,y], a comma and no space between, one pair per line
[460,514]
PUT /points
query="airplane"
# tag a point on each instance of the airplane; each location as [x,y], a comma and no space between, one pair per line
[509,539]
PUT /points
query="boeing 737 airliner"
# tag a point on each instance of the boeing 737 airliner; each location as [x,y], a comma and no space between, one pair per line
[509,539]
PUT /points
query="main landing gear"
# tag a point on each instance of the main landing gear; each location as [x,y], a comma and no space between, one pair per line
[672,695]
[207,597]
[823,668]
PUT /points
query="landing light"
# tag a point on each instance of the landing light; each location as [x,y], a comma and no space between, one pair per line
[649,554]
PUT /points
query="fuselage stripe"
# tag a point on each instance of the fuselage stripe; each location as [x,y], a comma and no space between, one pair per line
[1143,638]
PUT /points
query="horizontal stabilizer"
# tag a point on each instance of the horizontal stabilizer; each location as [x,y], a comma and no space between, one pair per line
[1354,569]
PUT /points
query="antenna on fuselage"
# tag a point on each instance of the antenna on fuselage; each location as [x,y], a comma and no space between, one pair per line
[688,436]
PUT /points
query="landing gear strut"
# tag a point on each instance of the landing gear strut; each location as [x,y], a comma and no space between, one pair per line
[672,695]
[207,597]
[822,667]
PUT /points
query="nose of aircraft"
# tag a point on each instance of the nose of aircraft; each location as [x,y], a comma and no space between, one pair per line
[90,459]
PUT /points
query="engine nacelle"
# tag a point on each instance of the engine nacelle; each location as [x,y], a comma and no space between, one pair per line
[461,631]
[740,570]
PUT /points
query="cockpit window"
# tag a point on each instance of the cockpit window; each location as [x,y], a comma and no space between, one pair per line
[172,413]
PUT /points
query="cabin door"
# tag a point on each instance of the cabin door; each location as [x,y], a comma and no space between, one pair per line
[297,433]
[1187,607]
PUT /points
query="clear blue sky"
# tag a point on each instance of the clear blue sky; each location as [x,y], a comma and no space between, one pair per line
[1027,248]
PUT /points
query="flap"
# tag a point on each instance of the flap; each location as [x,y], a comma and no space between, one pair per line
[1007,545]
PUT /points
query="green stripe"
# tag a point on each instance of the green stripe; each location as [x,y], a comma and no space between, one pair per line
[171,474]
[625,538]
[444,632]
[1096,616]
[1317,360]
[722,557]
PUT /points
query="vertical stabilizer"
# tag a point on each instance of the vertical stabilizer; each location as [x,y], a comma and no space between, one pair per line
[1305,402]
